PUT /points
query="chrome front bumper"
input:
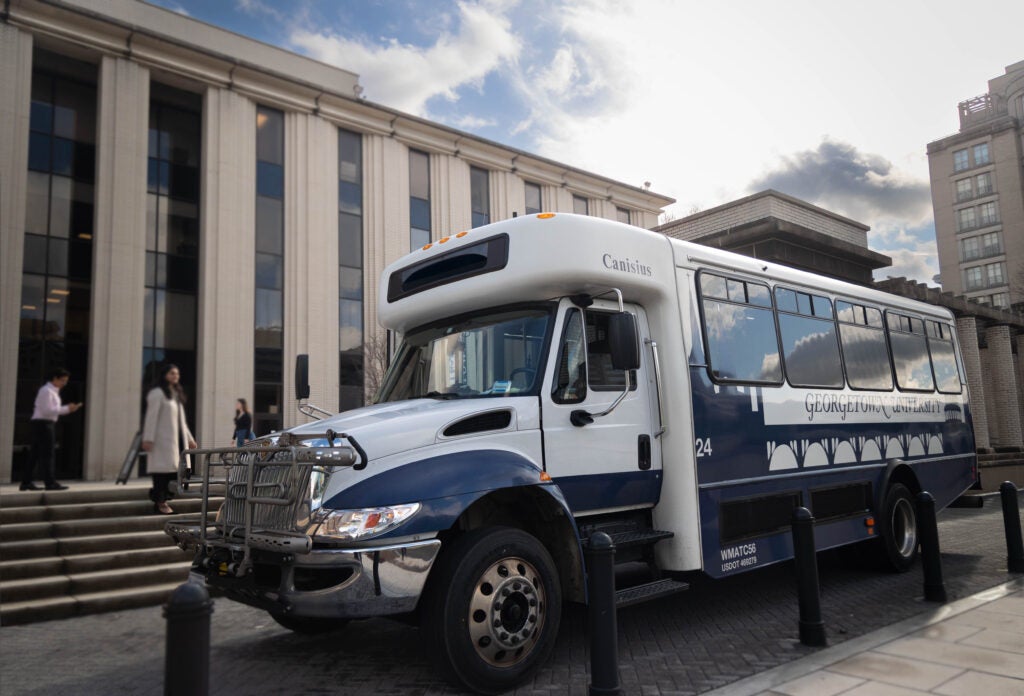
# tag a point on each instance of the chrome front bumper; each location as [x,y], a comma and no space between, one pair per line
[378,581]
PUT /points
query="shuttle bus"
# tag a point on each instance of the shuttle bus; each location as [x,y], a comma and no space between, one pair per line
[560,375]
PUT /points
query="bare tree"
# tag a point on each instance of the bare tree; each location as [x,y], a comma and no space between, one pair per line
[377,358]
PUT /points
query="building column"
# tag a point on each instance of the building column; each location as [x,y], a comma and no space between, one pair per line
[1004,383]
[16,88]
[114,389]
[386,215]
[310,260]
[452,212]
[967,333]
[227,263]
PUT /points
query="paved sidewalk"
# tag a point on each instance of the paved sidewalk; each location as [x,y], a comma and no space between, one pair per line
[971,647]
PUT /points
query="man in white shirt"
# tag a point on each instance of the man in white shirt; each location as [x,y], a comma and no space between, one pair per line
[48,409]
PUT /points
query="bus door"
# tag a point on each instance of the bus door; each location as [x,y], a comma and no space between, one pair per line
[615,460]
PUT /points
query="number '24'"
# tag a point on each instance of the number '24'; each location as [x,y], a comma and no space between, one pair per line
[703,445]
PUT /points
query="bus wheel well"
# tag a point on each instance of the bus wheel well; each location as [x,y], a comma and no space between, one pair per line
[538,514]
[902,473]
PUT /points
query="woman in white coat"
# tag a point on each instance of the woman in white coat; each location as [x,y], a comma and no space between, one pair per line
[164,434]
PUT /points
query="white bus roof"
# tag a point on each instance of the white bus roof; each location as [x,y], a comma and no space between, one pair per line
[555,255]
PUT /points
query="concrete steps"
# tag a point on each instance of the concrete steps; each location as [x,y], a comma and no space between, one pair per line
[93,548]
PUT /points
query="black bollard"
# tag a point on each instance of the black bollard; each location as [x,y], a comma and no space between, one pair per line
[604,632]
[812,628]
[187,653]
[928,529]
[1011,523]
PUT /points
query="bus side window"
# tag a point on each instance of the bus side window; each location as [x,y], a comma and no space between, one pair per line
[940,341]
[570,385]
[909,352]
[865,354]
[739,327]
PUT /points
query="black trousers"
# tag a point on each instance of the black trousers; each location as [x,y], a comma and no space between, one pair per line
[160,492]
[44,457]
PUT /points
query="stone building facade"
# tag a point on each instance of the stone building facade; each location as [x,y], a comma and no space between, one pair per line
[170,191]
[977,185]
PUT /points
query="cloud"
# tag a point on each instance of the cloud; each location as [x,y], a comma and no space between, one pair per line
[405,76]
[472,122]
[860,185]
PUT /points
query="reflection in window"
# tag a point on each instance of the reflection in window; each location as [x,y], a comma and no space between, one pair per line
[480,196]
[268,397]
[909,353]
[865,353]
[940,340]
[601,375]
[570,385]
[172,234]
[742,341]
[533,204]
[810,349]
[419,199]
[350,257]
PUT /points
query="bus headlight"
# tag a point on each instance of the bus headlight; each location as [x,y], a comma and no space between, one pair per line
[350,525]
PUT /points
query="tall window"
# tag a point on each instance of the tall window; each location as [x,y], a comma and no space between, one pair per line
[969,249]
[966,220]
[622,215]
[964,191]
[960,161]
[350,262]
[580,205]
[973,278]
[480,196]
[533,204]
[419,199]
[172,234]
[983,184]
[981,154]
[56,279]
[269,295]
[995,274]
[988,213]
[991,244]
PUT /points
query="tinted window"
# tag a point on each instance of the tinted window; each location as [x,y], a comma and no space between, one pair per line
[811,351]
[570,385]
[742,341]
[940,340]
[866,357]
[909,353]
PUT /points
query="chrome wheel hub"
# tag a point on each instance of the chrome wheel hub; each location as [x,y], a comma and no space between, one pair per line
[904,527]
[506,612]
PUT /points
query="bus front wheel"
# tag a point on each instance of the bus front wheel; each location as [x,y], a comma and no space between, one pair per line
[898,527]
[492,609]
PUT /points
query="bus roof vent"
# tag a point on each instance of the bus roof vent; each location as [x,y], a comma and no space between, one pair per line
[480,423]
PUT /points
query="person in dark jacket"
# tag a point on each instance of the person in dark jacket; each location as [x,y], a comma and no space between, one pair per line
[243,423]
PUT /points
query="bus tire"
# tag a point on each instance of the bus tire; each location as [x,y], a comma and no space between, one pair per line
[898,527]
[492,609]
[309,625]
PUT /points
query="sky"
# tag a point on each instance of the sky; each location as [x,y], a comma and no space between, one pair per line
[831,102]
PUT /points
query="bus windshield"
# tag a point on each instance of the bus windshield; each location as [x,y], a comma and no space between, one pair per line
[490,353]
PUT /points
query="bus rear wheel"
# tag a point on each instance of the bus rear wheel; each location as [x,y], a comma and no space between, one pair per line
[898,527]
[492,609]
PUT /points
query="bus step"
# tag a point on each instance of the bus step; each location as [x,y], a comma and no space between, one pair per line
[652,590]
[639,537]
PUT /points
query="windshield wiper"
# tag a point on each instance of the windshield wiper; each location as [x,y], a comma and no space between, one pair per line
[439,395]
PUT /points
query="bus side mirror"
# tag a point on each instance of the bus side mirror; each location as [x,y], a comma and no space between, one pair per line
[301,377]
[623,342]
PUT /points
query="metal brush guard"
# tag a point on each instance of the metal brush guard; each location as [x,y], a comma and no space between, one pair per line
[271,491]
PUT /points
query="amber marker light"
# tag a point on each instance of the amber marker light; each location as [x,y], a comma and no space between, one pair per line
[443,240]
[870,524]
[545,476]
[545,216]
[427,246]
[460,235]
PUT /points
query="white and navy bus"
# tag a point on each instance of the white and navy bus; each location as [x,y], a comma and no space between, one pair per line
[560,375]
